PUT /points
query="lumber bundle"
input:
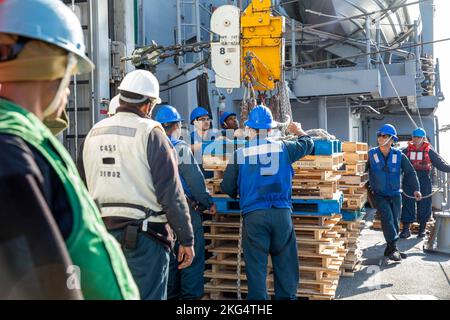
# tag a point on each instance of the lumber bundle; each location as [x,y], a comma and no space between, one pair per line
[321,253]
[327,235]
[353,182]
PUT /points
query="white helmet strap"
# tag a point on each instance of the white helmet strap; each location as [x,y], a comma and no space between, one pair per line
[387,142]
[130,100]
[65,81]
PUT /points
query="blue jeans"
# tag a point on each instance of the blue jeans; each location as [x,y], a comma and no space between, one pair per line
[423,206]
[189,283]
[389,208]
[149,265]
[270,232]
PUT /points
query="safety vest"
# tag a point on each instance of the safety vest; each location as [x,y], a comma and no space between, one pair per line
[186,189]
[103,268]
[420,157]
[118,174]
[265,176]
[385,175]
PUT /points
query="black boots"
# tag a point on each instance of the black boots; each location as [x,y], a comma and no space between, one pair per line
[392,252]
[405,234]
[422,230]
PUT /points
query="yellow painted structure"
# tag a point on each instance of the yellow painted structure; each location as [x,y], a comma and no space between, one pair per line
[262,45]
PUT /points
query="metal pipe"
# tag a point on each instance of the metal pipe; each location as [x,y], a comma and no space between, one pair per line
[91,49]
[359,43]
[378,37]
[323,114]
[198,29]
[364,15]
[141,23]
[437,87]
[419,75]
[293,49]
[179,32]
[368,44]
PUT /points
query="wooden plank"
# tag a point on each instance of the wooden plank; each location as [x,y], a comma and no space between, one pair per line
[355,180]
[314,175]
[332,162]
[353,169]
[355,202]
[309,292]
[354,146]
[355,157]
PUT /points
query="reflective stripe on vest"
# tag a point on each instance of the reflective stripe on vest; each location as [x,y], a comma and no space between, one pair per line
[420,157]
[385,176]
[117,169]
[265,176]
[104,271]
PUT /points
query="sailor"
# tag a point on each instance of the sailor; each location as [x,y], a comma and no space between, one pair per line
[188,283]
[261,175]
[386,167]
[53,244]
[131,171]
[201,121]
[229,124]
[423,158]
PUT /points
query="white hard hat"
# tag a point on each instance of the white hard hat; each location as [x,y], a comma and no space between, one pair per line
[113,105]
[140,82]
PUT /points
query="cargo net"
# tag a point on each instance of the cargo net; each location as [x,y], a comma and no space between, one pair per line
[279,103]
[249,101]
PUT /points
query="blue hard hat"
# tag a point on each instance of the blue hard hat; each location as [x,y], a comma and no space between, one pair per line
[225,116]
[260,118]
[388,129]
[419,132]
[197,113]
[168,114]
[49,21]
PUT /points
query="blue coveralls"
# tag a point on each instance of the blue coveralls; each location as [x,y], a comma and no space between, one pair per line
[148,255]
[385,180]
[188,283]
[424,205]
[262,176]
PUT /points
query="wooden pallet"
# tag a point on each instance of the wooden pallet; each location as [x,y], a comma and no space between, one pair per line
[215,163]
[353,169]
[351,231]
[312,292]
[354,180]
[353,189]
[354,146]
[355,201]
[315,175]
[328,163]
[376,224]
[355,157]
[314,189]
[414,227]
[321,255]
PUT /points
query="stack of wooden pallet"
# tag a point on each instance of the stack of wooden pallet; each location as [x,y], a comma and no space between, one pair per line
[414,227]
[216,164]
[321,254]
[376,224]
[350,231]
[316,202]
[353,182]
[315,177]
